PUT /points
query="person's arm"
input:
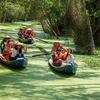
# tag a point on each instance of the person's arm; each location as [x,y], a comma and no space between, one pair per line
[25,49]
[72,58]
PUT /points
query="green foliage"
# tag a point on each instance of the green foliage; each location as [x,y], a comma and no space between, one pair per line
[11,12]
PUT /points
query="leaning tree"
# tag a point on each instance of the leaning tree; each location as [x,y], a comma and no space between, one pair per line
[77,23]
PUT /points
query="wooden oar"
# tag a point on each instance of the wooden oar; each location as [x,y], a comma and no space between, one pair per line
[40,54]
[43,51]
[41,40]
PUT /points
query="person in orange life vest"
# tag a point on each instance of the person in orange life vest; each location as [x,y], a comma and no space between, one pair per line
[2,57]
[26,35]
[64,52]
[7,51]
[55,46]
[57,58]
[30,33]
[24,29]
[2,44]
[21,33]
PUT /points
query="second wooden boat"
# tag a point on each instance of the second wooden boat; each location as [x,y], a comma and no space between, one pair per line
[26,41]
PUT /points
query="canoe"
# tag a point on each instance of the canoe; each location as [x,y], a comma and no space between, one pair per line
[66,69]
[26,41]
[19,63]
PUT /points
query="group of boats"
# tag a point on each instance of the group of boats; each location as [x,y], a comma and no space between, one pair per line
[22,62]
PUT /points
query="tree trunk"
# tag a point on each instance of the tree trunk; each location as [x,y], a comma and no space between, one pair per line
[77,19]
[96,6]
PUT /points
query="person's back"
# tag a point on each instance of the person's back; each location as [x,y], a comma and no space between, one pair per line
[57,58]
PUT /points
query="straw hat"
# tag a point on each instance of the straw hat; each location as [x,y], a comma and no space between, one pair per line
[24,27]
[56,42]
[17,44]
[7,37]
[29,29]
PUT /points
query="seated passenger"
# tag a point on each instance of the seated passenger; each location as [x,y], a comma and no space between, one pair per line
[55,46]
[64,53]
[70,57]
[20,48]
[7,52]
[30,33]
[57,58]
[2,44]
[21,33]
[13,56]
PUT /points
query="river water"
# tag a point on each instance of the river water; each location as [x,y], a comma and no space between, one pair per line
[38,82]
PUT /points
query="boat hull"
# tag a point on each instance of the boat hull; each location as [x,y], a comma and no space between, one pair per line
[19,63]
[68,69]
[26,41]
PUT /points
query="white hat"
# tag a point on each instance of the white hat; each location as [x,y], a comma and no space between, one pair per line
[7,36]
[24,27]
[29,29]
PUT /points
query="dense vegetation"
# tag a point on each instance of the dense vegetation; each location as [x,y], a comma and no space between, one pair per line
[71,18]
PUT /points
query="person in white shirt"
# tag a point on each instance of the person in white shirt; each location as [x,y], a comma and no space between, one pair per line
[13,56]
[70,57]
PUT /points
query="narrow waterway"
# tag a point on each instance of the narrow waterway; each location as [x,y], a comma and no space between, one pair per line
[38,82]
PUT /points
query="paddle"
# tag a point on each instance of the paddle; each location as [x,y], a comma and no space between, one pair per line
[42,50]
[41,40]
[40,54]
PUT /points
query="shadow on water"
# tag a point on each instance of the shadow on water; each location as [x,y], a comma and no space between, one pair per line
[15,69]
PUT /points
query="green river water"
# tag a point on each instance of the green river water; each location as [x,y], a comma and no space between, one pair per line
[38,82]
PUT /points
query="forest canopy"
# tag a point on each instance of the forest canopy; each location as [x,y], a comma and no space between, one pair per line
[78,19]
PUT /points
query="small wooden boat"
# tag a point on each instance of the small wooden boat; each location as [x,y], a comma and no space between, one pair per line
[67,69]
[26,41]
[19,63]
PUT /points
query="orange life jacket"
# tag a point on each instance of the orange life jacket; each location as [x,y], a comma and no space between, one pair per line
[7,51]
[64,55]
[2,58]
[22,32]
[57,58]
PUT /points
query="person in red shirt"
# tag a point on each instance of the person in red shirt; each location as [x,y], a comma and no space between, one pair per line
[55,46]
